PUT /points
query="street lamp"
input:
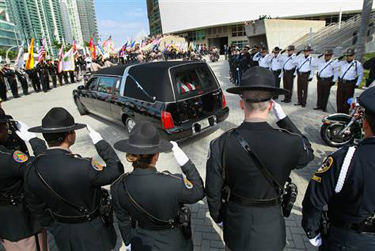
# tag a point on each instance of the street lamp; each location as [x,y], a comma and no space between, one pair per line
[7,60]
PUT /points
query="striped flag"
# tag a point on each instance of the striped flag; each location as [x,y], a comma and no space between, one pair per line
[92,49]
[61,55]
[42,52]
[30,59]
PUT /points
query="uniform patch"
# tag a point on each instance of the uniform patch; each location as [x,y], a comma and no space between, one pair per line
[95,164]
[316,178]
[188,184]
[326,165]
[20,157]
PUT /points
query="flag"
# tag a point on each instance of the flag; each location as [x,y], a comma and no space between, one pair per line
[132,44]
[42,52]
[68,61]
[30,59]
[19,61]
[92,49]
[107,42]
[123,49]
[74,46]
[61,55]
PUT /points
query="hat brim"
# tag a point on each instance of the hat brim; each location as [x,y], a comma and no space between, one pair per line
[40,129]
[124,146]
[240,90]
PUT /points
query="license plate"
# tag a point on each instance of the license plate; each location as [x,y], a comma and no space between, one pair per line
[204,123]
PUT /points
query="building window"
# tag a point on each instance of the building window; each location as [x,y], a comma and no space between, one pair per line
[241,44]
[197,35]
[238,31]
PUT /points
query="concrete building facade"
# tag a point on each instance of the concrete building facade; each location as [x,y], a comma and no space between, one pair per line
[9,36]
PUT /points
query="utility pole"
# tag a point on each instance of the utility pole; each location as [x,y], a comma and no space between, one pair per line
[362,36]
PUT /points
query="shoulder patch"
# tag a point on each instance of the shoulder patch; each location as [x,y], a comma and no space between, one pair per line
[326,165]
[95,164]
[188,184]
[20,157]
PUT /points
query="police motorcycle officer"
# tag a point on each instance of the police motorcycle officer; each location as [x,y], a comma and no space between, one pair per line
[19,229]
[345,182]
[248,167]
[64,190]
[149,205]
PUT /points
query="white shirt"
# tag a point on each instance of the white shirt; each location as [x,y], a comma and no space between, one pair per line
[287,62]
[88,62]
[275,63]
[305,65]
[350,71]
[264,61]
[326,69]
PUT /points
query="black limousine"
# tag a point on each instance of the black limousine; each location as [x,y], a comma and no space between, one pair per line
[181,98]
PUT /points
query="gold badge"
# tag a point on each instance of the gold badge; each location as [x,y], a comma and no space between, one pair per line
[95,164]
[20,157]
[188,184]
[326,165]
[316,178]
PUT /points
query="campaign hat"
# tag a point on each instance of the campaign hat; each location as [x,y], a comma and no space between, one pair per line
[291,48]
[350,52]
[367,100]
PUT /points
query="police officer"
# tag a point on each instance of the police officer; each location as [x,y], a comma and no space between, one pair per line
[288,69]
[305,71]
[10,75]
[64,190]
[252,215]
[148,203]
[345,182]
[254,51]
[275,66]
[263,58]
[326,76]
[22,79]
[52,72]
[57,73]
[35,82]
[3,87]
[19,229]
[350,74]
[13,141]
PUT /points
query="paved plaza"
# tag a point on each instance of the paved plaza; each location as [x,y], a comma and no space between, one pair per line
[207,235]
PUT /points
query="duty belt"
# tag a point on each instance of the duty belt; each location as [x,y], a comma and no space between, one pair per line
[152,226]
[74,219]
[11,201]
[304,73]
[249,202]
[364,227]
[325,79]
[347,81]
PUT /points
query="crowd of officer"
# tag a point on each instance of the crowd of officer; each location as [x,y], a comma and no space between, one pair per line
[347,73]
[249,193]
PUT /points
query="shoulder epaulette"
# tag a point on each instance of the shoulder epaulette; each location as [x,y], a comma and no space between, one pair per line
[168,173]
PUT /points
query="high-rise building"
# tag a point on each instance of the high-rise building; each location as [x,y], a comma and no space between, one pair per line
[71,7]
[9,36]
[154,19]
[87,18]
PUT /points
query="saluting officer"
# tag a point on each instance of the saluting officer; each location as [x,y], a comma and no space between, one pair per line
[275,66]
[252,215]
[326,76]
[263,58]
[345,182]
[19,229]
[288,68]
[148,203]
[305,71]
[64,190]
[350,77]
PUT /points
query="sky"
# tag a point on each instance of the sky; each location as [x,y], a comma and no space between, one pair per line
[121,19]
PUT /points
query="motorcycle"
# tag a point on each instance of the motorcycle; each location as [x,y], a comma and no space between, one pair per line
[214,57]
[339,129]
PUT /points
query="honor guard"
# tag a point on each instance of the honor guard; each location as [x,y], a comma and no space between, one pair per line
[275,66]
[305,72]
[10,75]
[350,74]
[326,76]
[19,229]
[263,58]
[345,182]
[247,168]
[288,68]
[149,204]
[64,190]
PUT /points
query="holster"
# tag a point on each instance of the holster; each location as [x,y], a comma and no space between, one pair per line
[106,208]
[324,223]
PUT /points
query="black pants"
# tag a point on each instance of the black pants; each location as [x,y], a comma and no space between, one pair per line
[13,87]
[71,74]
[288,80]
[302,86]
[25,86]
[44,82]
[3,91]
[277,80]
[344,92]
[60,77]
[344,239]
[54,81]
[65,74]
[324,89]
[36,84]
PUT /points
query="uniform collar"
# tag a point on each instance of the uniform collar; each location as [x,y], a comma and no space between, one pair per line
[255,125]
[368,141]
[144,171]
[58,150]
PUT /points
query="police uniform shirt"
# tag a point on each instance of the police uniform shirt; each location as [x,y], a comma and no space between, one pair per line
[257,56]
[264,61]
[326,69]
[305,65]
[275,63]
[288,62]
[350,71]
[355,202]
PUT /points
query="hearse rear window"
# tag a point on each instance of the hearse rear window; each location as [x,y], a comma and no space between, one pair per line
[190,82]
[107,84]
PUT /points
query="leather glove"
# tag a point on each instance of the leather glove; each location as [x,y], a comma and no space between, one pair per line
[23,131]
[277,111]
[317,241]
[179,155]
[128,247]
[94,135]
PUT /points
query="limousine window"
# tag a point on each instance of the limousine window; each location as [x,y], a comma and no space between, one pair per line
[107,84]
[92,84]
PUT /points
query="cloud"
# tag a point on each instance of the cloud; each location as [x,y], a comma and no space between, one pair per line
[138,12]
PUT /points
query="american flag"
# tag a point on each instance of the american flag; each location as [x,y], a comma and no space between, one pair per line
[42,52]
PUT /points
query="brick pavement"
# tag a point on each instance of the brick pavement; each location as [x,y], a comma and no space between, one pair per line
[207,236]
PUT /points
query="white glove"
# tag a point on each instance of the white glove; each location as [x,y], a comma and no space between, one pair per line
[128,247]
[221,224]
[94,135]
[317,241]
[278,111]
[179,155]
[23,131]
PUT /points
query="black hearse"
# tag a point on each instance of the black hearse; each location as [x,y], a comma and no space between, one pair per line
[182,99]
